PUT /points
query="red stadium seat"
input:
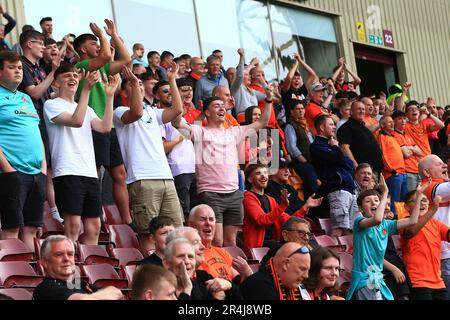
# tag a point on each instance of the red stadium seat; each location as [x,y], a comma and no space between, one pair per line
[348,241]
[112,215]
[346,262]
[123,236]
[37,247]
[51,227]
[93,254]
[18,274]
[15,250]
[129,271]
[17,293]
[325,224]
[103,275]
[330,242]
[258,253]
[127,256]
[237,252]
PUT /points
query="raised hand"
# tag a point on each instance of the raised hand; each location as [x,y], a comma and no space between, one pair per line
[110,28]
[91,79]
[407,86]
[56,61]
[241,52]
[129,76]
[254,61]
[269,92]
[285,197]
[172,71]
[111,84]
[312,202]
[382,185]
[96,29]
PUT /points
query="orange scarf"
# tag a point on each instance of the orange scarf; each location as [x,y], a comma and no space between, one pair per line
[284,293]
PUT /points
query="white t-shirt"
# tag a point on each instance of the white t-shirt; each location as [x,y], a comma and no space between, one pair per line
[182,158]
[141,145]
[71,149]
[443,214]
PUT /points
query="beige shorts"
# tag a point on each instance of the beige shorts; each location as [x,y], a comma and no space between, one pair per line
[153,198]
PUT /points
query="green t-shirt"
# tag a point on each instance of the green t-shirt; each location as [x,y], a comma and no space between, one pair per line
[97,99]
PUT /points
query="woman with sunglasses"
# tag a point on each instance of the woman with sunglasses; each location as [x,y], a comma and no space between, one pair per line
[323,274]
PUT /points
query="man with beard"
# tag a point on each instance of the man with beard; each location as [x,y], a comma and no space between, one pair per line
[263,217]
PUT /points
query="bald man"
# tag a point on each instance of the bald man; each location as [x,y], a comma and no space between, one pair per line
[432,167]
[281,277]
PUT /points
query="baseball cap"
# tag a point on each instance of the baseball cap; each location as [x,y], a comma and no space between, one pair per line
[317,86]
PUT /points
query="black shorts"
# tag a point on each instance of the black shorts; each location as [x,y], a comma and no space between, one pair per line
[79,196]
[107,149]
[22,199]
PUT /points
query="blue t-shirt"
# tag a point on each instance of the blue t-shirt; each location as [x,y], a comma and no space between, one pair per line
[20,138]
[369,247]
[369,244]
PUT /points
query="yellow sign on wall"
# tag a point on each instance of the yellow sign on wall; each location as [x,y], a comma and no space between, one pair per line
[361,31]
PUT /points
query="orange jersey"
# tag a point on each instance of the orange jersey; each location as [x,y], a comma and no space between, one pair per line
[419,133]
[312,110]
[218,263]
[392,154]
[411,163]
[422,255]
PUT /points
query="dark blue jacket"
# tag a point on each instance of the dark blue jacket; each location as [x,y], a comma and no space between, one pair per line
[334,169]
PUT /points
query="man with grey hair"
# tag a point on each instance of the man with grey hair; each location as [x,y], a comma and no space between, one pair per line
[193,237]
[62,281]
[214,77]
[218,262]
[180,258]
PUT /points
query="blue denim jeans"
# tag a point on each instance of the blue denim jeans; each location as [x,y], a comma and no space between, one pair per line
[398,187]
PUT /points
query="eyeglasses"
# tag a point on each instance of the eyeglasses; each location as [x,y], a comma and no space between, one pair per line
[165,91]
[302,250]
[40,42]
[302,233]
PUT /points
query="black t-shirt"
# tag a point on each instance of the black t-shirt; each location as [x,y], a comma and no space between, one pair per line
[152,259]
[53,289]
[362,143]
[33,75]
[291,96]
[265,205]
[274,190]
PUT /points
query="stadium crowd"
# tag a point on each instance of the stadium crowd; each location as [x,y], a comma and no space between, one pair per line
[210,164]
